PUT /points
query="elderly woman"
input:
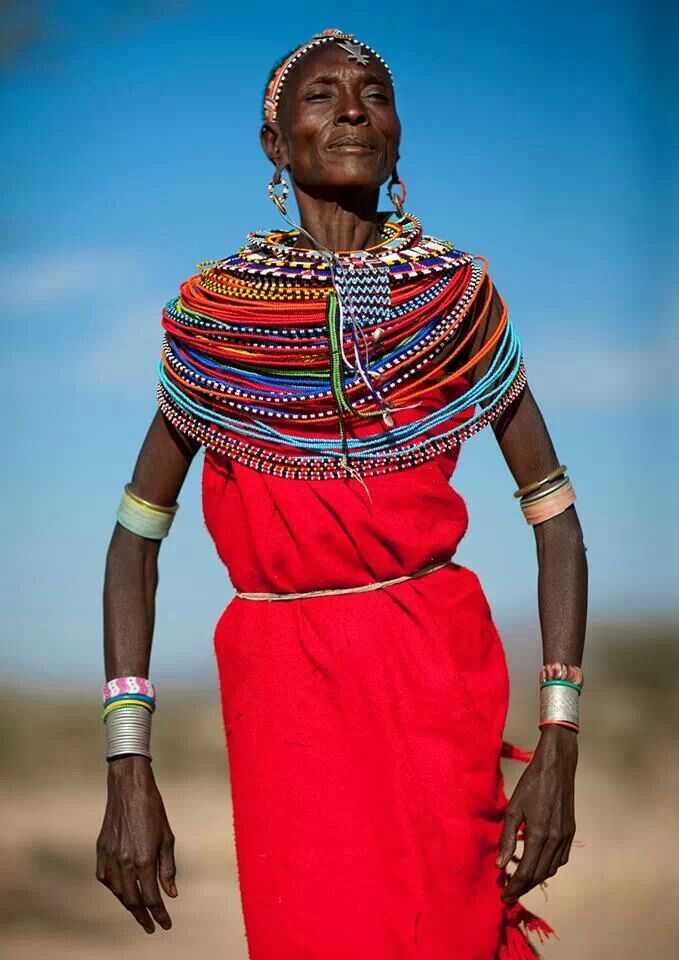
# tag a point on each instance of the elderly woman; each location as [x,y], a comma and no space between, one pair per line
[332,371]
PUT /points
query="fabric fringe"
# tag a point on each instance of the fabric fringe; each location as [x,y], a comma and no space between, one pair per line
[513,752]
[517,921]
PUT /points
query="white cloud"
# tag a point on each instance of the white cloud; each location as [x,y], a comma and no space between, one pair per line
[78,285]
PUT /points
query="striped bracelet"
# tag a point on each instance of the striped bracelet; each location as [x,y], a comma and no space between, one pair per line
[129,704]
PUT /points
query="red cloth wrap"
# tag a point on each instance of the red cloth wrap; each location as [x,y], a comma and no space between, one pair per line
[364,731]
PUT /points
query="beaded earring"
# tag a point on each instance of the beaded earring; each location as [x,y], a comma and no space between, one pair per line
[279,198]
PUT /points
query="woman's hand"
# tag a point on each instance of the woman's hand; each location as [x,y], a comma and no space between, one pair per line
[544,798]
[136,846]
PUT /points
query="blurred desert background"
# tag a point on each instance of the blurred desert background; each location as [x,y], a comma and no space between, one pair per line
[615,898]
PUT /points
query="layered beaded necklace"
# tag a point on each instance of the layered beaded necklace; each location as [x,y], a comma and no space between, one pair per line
[295,362]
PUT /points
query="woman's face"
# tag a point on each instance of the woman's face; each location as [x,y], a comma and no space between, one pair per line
[337,123]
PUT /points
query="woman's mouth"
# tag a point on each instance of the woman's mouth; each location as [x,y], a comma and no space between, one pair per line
[351,145]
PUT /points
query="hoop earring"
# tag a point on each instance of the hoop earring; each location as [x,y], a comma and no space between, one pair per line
[397,199]
[279,198]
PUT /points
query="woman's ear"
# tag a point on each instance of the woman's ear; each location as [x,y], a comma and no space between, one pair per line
[274,145]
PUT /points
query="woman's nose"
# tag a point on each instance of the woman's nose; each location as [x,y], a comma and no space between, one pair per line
[351,110]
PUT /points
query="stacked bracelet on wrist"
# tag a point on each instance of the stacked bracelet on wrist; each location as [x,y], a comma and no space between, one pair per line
[129,703]
[546,498]
[560,689]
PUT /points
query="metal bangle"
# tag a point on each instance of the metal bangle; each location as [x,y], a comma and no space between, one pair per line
[559,702]
[529,488]
[147,503]
[128,730]
[525,501]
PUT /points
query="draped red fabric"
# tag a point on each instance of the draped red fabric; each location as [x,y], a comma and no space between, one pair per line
[365,730]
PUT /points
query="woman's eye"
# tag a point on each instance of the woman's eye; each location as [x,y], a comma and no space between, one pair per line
[316,96]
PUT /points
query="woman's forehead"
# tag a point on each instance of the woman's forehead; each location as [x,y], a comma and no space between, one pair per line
[333,61]
[331,64]
[330,54]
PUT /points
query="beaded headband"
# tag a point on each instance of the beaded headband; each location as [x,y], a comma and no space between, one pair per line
[347,41]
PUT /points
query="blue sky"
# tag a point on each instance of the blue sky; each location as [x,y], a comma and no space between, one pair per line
[537,135]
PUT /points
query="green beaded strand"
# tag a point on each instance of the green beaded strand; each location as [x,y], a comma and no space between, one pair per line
[563,683]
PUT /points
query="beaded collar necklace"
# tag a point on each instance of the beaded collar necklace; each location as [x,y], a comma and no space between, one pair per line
[299,364]
[394,234]
[404,252]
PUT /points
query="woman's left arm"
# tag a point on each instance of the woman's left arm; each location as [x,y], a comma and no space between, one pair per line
[544,797]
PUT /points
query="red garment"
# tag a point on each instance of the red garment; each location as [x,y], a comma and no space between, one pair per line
[364,731]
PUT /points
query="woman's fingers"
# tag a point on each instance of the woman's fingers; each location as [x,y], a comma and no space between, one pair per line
[114,879]
[102,872]
[167,869]
[567,847]
[150,895]
[558,856]
[522,879]
[544,852]
[138,891]
[568,834]
[132,900]
[510,828]
[545,866]
[561,855]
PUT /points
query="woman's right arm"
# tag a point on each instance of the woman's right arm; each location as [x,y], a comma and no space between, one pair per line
[135,846]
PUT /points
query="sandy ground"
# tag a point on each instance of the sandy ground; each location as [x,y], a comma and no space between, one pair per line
[615,898]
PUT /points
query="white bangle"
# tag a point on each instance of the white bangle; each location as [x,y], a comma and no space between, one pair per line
[144,518]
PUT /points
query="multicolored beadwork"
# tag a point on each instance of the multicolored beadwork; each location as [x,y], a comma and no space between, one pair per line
[561,671]
[128,694]
[278,336]
[121,685]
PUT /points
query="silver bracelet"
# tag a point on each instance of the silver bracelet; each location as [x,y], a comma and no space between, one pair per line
[559,702]
[128,730]
[541,494]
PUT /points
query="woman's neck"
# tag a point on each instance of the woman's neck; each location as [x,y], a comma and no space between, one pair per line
[347,223]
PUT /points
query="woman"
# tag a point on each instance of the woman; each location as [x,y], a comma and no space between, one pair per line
[332,372]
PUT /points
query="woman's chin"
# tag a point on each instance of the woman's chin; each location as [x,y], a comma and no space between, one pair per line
[345,181]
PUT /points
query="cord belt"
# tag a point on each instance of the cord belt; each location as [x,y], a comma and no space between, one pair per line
[331,593]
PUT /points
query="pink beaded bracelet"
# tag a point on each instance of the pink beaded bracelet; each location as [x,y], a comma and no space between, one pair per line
[561,671]
[120,685]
